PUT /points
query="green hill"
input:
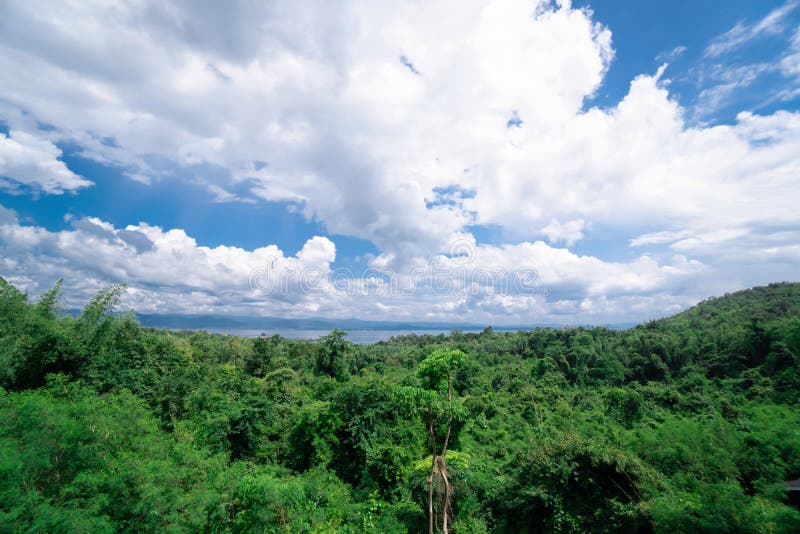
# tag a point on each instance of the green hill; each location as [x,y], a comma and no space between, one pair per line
[766,304]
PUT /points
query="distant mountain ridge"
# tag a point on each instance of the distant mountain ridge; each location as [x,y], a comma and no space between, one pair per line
[216,321]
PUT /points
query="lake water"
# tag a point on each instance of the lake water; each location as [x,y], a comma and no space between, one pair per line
[359,337]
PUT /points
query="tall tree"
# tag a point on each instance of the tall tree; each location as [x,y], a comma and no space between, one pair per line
[332,354]
[435,403]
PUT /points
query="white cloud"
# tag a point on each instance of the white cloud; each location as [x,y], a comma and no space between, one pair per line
[724,79]
[790,63]
[167,265]
[569,232]
[742,33]
[343,124]
[658,238]
[167,271]
[671,55]
[220,194]
[314,105]
[27,160]
[729,81]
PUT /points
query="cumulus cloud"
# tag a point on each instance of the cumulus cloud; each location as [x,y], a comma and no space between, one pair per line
[375,119]
[167,271]
[569,232]
[348,131]
[27,160]
[165,265]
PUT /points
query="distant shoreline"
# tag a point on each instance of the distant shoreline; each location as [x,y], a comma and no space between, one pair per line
[358,336]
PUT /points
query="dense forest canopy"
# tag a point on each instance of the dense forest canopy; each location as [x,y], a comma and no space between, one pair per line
[686,424]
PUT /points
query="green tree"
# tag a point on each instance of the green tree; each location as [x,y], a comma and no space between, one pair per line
[33,341]
[332,355]
[435,402]
[259,361]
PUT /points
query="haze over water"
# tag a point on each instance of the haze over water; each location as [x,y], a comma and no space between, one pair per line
[359,337]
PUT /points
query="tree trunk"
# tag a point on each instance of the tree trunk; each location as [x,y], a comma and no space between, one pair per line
[446,498]
[432,437]
[430,500]
[443,463]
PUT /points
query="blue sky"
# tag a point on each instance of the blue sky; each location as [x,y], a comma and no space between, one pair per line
[638,156]
[180,202]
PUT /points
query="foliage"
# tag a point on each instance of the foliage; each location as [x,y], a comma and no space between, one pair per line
[685,424]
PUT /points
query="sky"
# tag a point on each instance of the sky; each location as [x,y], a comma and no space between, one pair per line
[492,162]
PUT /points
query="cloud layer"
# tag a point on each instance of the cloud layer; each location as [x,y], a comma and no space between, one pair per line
[168,271]
[407,125]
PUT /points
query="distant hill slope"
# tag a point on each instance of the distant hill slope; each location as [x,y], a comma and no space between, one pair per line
[765,304]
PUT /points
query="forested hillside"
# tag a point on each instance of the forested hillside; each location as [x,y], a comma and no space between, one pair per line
[687,424]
